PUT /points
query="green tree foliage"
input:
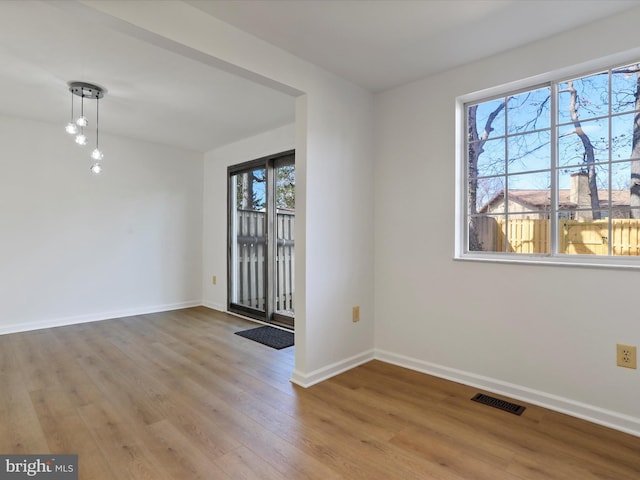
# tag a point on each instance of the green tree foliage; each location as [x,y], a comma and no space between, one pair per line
[286,187]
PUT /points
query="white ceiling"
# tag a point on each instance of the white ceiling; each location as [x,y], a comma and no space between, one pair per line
[152,94]
[160,96]
[380,44]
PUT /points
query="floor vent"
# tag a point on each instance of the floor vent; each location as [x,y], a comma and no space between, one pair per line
[500,404]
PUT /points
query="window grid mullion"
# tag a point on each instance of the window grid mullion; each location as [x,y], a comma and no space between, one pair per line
[609,170]
[553,204]
[506,175]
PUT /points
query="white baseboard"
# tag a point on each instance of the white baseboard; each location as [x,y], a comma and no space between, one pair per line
[214,306]
[93,317]
[607,418]
[317,376]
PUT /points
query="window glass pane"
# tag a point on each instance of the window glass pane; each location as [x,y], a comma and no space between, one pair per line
[528,152]
[490,114]
[285,200]
[487,233]
[528,196]
[529,111]
[584,236]
[575,193]
[528,234]
[491,158]
[285,194]
[489,194]
[622,127]
[250,189]
[583,98]
[625,232]
[624,85]
[621,181]
[248,233]
[590,142]
[530,181]
[623,196]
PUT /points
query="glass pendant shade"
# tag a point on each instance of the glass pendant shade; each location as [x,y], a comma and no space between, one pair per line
[82,121]
[81,139]
[71,128]
[96,168]
[97,154]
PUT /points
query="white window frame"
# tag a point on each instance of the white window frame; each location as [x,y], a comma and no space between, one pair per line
[461,230]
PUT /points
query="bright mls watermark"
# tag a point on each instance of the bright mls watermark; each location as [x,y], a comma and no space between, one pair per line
[49,467]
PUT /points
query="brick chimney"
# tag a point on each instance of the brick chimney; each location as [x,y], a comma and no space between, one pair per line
[579,194]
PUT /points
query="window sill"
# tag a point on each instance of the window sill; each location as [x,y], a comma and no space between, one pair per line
[632,263]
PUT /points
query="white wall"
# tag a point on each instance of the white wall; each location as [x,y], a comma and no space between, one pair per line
[334,174]
[78,247]
[215,204]
[542,333]
[339,216]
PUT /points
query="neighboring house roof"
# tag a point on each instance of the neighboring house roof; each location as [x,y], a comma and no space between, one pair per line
[541,200]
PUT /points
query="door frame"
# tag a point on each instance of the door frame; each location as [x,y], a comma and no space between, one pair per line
[270,315]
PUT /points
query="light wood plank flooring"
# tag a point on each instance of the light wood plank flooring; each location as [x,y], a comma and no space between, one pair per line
[177,395]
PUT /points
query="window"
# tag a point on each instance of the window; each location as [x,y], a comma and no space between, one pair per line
[553,171]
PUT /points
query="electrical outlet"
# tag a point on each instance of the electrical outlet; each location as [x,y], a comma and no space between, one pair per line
[626,356]
[214,280]
[356,314]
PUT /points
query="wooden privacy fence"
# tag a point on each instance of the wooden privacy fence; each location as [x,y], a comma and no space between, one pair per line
[251,257]
[582,237]
[592,236]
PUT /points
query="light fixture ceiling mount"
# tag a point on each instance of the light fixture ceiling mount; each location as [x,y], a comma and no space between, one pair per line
[86,90]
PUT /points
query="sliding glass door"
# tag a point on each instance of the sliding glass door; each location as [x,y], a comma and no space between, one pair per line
[248,248]
[261,239]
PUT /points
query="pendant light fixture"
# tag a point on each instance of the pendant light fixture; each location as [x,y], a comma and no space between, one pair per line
[77,125]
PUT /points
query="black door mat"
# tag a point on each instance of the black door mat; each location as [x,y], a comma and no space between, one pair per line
[270,336]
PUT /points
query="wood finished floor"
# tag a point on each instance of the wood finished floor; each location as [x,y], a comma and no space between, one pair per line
[178,396]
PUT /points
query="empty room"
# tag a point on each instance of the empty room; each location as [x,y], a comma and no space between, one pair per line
[315,239]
